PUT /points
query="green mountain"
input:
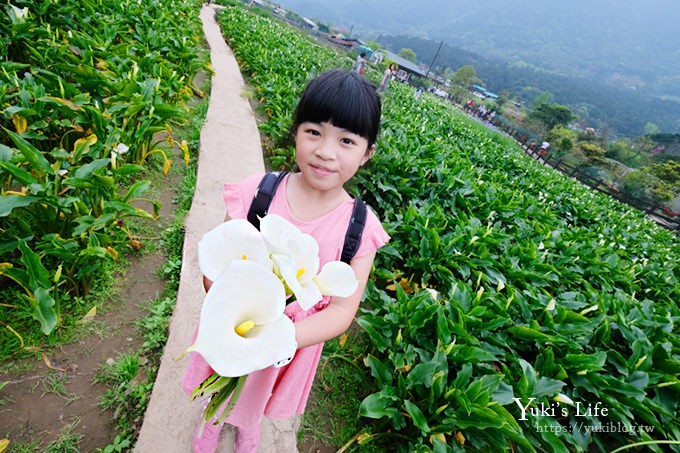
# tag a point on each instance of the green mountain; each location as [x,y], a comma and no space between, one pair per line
[630,48]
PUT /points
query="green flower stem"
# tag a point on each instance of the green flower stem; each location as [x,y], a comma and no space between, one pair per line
[219,389]
[240,383]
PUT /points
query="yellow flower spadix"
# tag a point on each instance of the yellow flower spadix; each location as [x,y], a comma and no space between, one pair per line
[245,327]
[300,272]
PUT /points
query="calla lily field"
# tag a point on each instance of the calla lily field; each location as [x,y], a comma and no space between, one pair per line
[90,92]
[512,304]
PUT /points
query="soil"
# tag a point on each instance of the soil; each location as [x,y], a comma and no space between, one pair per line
[57,396]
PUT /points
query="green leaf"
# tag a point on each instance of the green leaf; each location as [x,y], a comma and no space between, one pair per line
[585,362]
[470,354]
[43,310]
[527,382]
[35,158]
[6,153]
[85,171]
[504,394]
[39,276]
[377,405]
[547,387]
[381,372]
[9,202]
[422,374]
[417,416]
[21,175]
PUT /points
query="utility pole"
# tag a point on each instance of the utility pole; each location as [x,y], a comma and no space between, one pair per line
[433,59]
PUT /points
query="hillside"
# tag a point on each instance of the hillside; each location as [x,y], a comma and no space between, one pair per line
[616,110]
[544,46]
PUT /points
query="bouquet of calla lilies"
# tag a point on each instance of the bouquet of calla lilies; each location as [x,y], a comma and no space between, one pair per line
[242,325]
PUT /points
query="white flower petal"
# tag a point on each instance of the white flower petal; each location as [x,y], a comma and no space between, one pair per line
[308,296]
[285,267]
[336,279]
[284,237]
[245,291]
[121,148]
[562,398]
[306,292]
[236,239]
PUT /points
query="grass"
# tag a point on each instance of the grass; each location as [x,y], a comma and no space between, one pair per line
[55,382]
[68,441]
[331,417]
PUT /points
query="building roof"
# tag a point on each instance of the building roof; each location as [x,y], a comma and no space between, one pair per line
[405,64]
[309,22]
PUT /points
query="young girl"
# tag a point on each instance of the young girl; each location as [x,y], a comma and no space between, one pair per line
[335,125]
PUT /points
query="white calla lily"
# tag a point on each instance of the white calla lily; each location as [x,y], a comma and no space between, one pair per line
[336,279]
[236,239]
[242,327]
[283,237]
[299,279]
[296,259]
[295,256]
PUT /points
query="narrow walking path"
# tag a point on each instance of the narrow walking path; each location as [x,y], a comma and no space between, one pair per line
[230,150]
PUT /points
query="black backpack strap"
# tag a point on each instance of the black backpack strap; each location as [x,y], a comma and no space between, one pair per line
[354,231]
[263,196]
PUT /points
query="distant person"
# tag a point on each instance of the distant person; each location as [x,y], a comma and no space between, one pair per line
[360,65]
[544,149]
[418,92]
[387,75]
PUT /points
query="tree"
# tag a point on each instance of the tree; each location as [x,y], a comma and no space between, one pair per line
[465,76]
[651,128]
[407,54]
[668,172]
[624,152]
[563,139]
[552,115]
[594,153]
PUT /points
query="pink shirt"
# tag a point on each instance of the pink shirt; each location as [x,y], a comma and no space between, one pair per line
[283,392]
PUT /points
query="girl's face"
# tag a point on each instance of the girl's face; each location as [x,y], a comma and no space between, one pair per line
[328,156]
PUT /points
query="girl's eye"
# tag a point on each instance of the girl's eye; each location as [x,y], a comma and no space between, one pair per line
[347,141]
[313,132]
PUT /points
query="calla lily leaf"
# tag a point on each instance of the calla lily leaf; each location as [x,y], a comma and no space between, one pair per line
[245,291]
[236,239]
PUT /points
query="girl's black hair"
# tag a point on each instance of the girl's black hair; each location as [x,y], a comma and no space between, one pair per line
[343,98]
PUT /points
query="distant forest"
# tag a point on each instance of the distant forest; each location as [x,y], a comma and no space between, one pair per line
[614,112]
